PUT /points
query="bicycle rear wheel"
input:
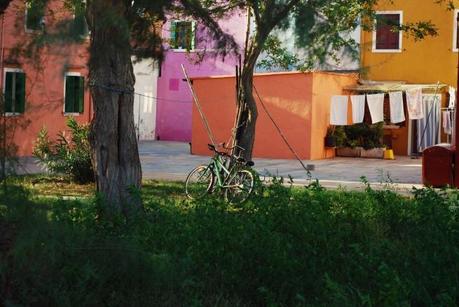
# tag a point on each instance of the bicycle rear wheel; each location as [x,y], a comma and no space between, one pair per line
[199,182]
[239,187]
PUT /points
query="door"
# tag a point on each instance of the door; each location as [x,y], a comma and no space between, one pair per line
[146,75]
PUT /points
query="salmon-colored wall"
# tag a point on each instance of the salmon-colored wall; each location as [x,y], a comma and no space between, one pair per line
[289,97]
[44,77]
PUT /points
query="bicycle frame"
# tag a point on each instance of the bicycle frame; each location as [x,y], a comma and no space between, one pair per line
[218,166]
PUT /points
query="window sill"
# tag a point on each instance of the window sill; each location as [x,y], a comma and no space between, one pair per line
[386,50]
[11,114]
[32,31]
[184,50]
[72,114]
[192,51]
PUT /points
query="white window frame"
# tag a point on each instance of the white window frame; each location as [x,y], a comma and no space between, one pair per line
[70,74]
[193,28]
[27,30]
[455,49]
[6,70]
[400,34]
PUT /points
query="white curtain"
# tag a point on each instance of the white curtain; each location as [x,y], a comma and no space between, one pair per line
[429,126]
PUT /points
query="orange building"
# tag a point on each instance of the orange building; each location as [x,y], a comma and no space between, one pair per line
[298,102]
[389,55]
[42,88]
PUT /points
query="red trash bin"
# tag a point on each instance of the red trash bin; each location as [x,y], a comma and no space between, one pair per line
[437,166]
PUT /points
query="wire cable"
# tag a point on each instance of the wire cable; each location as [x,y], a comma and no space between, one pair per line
[126,91]
[280,131]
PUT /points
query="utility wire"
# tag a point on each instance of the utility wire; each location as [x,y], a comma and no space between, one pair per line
[125,91]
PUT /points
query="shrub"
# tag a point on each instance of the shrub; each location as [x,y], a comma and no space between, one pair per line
[362,135]
[67,155]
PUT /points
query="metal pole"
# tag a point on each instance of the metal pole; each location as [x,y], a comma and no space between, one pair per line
[456,136]
[198,105]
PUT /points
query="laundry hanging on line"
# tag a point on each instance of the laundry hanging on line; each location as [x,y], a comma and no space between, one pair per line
[414,103]
[338,110]
[452,97]
[376,106]
[358,108]
[397,111]
[447,122]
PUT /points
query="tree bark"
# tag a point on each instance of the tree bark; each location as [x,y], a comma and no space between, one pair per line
[247,108]
[115,153]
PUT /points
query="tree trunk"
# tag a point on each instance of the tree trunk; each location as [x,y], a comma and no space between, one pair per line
[247,108]
[115,151]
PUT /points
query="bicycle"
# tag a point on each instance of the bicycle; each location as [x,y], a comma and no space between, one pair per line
[226,172]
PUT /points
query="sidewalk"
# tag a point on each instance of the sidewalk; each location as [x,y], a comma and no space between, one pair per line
[173,161]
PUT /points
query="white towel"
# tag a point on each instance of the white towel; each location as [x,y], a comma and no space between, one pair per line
[414,103]
[376,106]
[358,108]
[447,122]
[397,112]
[338,110]
[452,97]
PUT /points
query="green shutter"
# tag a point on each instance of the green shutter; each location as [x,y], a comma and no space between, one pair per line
[9,92]
[193,35]
[35,14]
[173,30]
[69,94]
[80,26]
[80,94]
[20,92]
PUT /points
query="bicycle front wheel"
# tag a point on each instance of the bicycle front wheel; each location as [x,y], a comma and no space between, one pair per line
[199,182]
[239,187]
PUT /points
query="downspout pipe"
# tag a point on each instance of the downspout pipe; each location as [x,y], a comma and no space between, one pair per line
[2,52]
[456,136]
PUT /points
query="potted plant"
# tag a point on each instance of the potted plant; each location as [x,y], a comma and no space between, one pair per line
[372,144]
[330,138]
[346,146]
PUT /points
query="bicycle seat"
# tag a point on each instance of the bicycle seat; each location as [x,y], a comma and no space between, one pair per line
[250,163]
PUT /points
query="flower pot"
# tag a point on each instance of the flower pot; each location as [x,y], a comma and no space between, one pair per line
[375,153]
[348,151]
[330,141]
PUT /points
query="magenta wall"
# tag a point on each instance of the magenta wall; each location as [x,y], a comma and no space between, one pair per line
[174,100]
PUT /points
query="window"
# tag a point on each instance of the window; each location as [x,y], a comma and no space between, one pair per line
[79,25]
[34,15]
[183,35]
[14,90]
[386,36]
[455,31]
[74,93]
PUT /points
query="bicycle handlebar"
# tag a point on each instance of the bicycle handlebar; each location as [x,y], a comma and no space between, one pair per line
[239,159]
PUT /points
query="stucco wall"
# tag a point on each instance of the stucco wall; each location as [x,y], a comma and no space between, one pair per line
[425,61]
[298,102]
[174,101]
[44,83]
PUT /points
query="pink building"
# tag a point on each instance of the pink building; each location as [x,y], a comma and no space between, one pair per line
[46,90]
[174,100]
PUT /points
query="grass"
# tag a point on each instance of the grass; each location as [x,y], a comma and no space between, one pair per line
[284,247]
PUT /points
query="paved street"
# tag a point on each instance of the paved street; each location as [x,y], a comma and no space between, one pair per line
[172,161]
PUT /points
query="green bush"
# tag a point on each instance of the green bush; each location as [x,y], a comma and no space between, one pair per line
[360,135]
[284,247]
[67,155]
